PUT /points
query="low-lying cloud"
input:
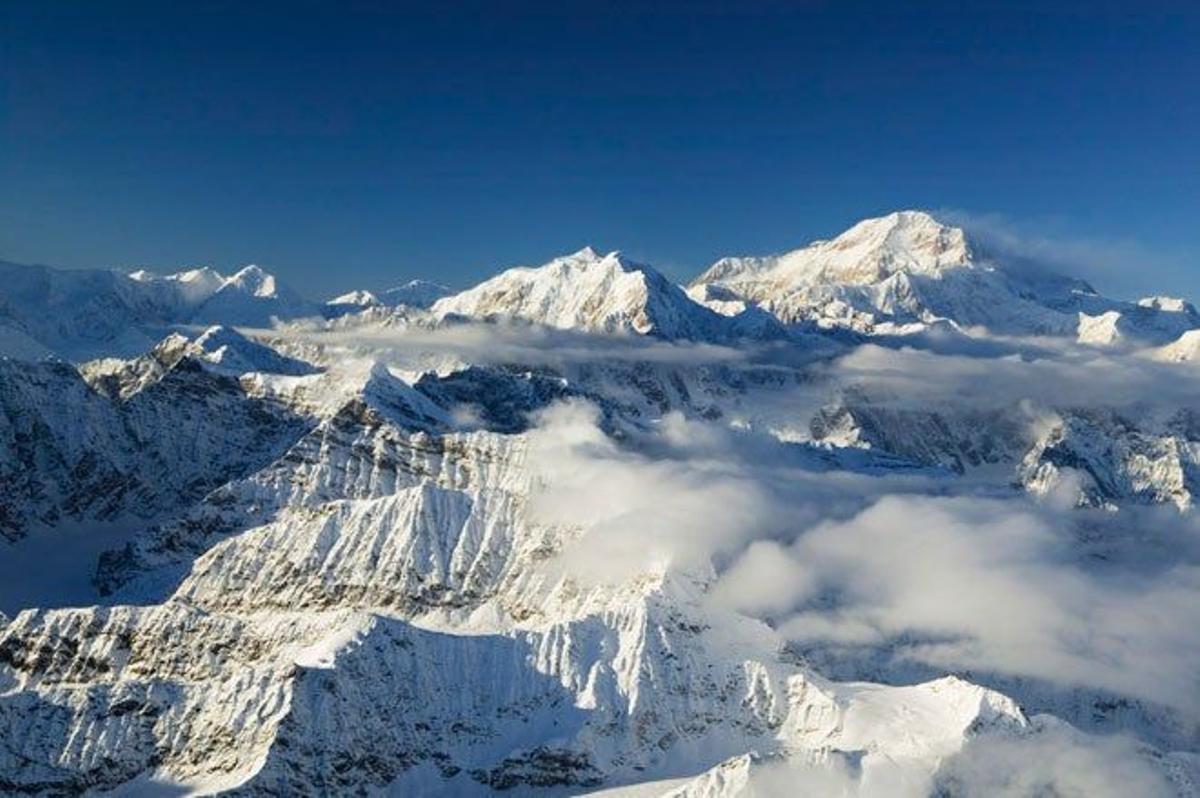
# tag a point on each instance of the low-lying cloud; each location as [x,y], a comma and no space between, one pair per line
[640,513]
[1055,759]
[917,378]
[1048,759]
[982,584]
[420,346]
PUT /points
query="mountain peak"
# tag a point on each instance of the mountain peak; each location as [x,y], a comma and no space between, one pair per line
[218,335]
[191,286]
[358,298]
[585,254]
[202,274]
[251,297]
[585,291]
[904,241]
[588,258]
[912,228]
[909,241]
[230,351]
[415,293]
[254,280]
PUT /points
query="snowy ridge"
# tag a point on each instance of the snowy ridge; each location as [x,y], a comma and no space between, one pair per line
[83,314]
[593,293]
[415,294]
[230,351]
[250,297]
[143,438]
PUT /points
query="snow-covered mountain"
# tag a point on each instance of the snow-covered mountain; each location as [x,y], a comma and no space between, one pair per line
[417,294]
[140,438]
[908,268]
[228,350]
[350,302]
[593,293]
[813,526]
[80,314]
[250,297]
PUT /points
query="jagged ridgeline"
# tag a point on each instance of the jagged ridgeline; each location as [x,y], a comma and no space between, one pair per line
[893,513]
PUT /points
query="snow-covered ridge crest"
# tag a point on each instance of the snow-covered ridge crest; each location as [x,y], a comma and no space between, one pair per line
[869,252]
[199,284]
[415,294]
[589,292]
[88,313]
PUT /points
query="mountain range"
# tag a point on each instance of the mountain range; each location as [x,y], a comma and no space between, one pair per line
[894,275]
[889,514]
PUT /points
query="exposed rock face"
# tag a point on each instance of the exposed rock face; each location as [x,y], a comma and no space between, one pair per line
[1115,460]
[149,437]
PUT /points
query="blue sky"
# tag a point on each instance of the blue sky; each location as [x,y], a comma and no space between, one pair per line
[360,144]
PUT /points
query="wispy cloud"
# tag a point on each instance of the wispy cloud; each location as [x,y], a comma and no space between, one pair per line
[1113,264]
[417,346]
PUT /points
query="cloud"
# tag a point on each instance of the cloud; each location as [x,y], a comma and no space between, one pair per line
[417,347]
[850,563]
[765,580]
[639,513]
[1117,262]
[1055,759]
[911,378]
[1050,758]
[685,492]
[996,586]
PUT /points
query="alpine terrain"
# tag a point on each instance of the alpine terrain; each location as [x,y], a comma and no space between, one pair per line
[899,513]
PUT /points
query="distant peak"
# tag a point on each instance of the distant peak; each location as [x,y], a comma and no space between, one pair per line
[254,279]
[914,217]
[357,298]
[201,273]
[587,253]
[250,270]
[872,250]
[216,335]
[415,293]
[1169,304]
[587,259]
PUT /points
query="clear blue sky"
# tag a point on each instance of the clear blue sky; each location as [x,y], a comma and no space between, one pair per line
[360,144]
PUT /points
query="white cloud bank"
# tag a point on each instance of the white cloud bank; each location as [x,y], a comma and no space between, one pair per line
[982,584]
